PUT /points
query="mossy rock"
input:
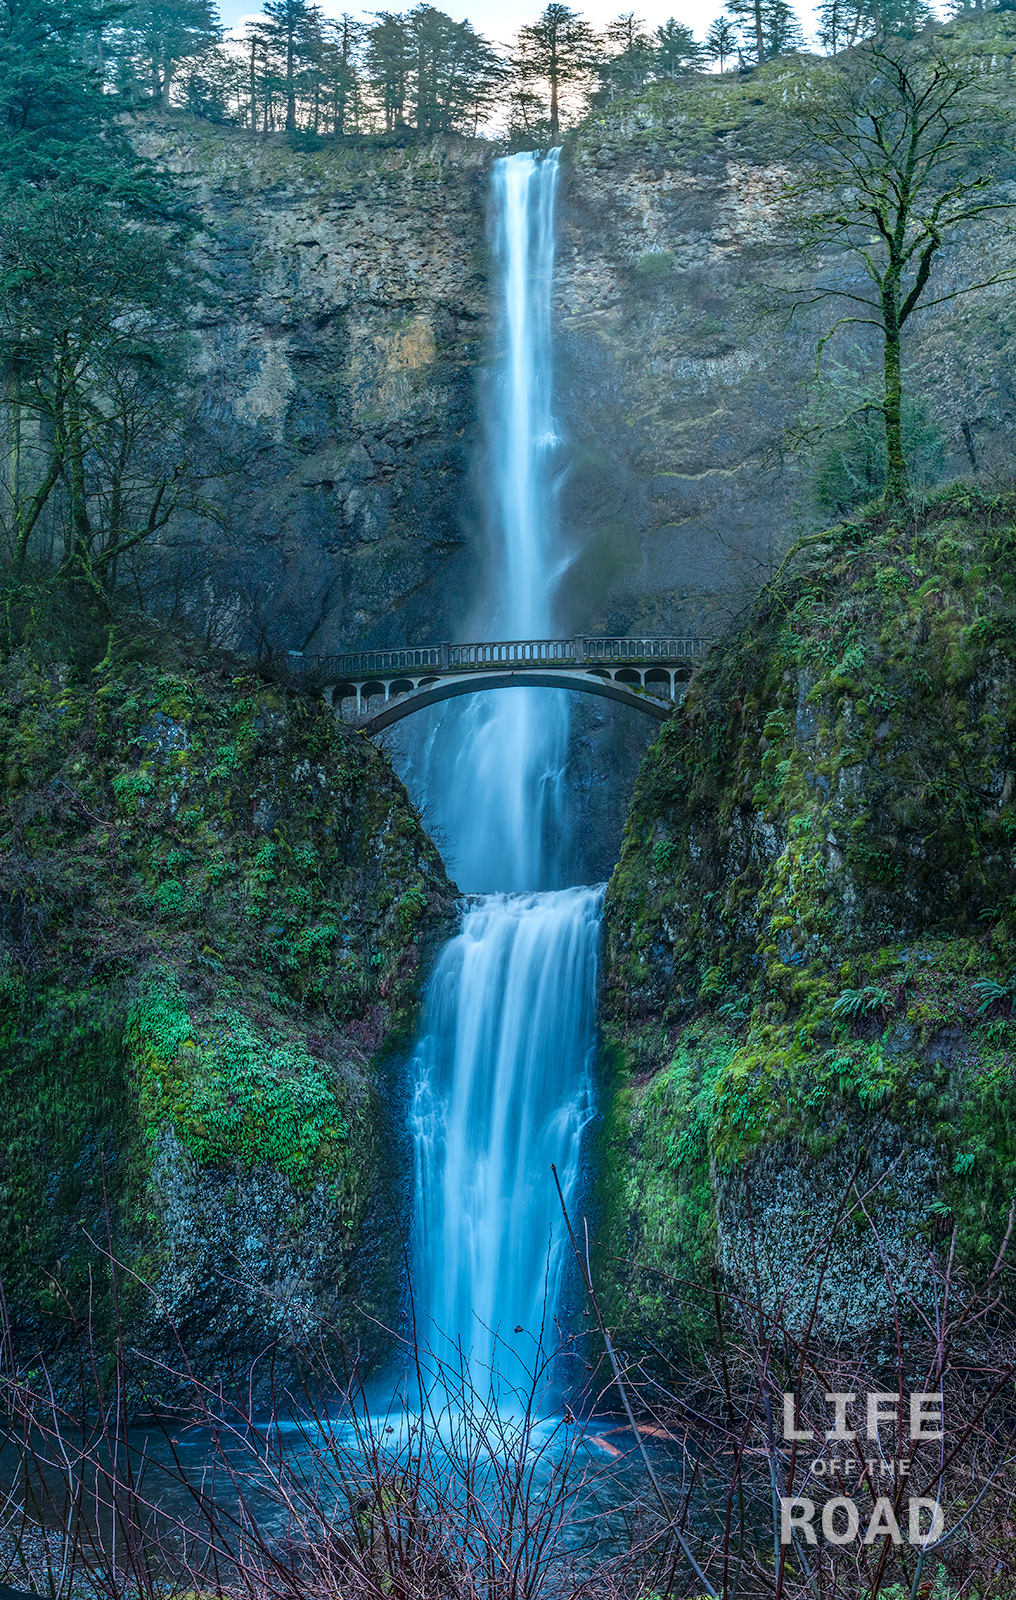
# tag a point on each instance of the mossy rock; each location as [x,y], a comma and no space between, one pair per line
[216,910]
[819,858]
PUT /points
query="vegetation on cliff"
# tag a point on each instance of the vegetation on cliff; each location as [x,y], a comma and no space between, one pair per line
[811,927]
[214,905]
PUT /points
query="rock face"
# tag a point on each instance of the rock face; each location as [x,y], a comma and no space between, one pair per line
[216,908]
[339,378]
[687,350]
[335,384]
[810,935]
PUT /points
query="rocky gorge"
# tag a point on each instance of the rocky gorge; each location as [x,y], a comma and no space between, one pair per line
[220,906]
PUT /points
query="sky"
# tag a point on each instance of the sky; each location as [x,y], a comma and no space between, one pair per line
[499,19]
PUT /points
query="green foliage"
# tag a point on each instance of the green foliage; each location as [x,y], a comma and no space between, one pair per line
[654,269]
[841,892]
[843,432]
[233,1096]
[856,1002]
[993,993]
[186,950]
[660,1212]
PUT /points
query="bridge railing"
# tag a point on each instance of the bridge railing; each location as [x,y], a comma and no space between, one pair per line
[510,652]
[367,663]
[491,654]
[639,651]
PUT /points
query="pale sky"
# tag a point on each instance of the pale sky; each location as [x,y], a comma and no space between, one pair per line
[499,19]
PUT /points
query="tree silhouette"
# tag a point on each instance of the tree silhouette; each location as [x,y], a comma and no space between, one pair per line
[296,25]
[721,41]
[151,41]
[677,49]
[559,49]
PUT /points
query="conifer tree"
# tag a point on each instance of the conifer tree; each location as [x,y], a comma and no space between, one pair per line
[677,49]
[455,70]
[389,63]
[721,41]
[342,44]
[767,27]
[558,50]
[296,25]
[152,40]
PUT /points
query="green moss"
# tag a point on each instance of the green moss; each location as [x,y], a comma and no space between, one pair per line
[660,1222]
[820,855]
[233,1096]
[215,905]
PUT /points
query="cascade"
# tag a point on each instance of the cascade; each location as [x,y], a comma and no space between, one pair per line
[502,1065]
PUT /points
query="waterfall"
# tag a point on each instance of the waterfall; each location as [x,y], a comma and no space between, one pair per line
[503,1092]
[502,1066]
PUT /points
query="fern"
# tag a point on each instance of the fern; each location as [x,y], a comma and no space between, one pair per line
[991,992]
[858,1002]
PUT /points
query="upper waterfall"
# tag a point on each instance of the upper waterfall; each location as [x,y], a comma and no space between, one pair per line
[521,431]
[490,768]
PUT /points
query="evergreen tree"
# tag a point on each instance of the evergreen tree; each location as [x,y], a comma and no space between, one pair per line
[766,28]
[215,86]
[748,19]
[557,50]
[263,75]
[296,25]
[904,19]
[721,41]
[153,40]
[341,48]
[783,31]
[390,58]
[55,122]
[843,23]
[455,73]
[834,19]
[677,49]
[625,31]
[628,58]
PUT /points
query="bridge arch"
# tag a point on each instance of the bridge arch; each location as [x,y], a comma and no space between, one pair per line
[407,678]
[478,683]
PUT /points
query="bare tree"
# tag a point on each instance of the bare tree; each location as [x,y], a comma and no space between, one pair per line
[904,149]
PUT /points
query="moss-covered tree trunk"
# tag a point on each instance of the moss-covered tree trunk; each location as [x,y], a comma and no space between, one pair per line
[897,482]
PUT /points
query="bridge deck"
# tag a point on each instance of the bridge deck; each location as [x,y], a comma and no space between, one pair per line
[374,688]
[565,654]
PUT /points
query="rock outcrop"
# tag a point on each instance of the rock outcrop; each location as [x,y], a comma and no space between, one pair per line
[217,907]
[335,384]
[339,376]
[810,933]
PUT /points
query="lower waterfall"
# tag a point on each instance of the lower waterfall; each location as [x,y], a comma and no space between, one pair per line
[503,1092]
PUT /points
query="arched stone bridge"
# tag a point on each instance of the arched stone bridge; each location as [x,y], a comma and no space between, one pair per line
[375,688]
